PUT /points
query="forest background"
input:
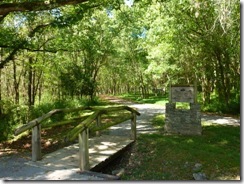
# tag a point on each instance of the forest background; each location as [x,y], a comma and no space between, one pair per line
[60,54]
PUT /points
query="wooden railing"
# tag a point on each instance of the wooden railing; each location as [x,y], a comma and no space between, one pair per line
[81,130]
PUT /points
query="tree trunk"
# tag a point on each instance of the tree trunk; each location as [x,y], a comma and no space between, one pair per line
[1,111]
[222,79]
[40,92]
[33,86]
[16,83]
[206,89]
[30,76]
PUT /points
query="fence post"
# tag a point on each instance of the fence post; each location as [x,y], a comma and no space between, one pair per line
[36,143]
[84,150]
[98,121]
[133,126]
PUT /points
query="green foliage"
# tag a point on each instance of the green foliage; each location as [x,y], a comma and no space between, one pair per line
[75,82]
[86,49]
[17,115]
[219,107]
[12,116]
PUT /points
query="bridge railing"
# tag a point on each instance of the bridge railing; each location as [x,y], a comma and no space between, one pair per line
[87,123]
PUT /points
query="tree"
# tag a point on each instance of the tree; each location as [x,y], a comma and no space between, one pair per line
[23,6]
[108,46]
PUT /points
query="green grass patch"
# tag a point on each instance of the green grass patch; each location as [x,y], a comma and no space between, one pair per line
[159,121]
[173,157]
[214,105]
[151,99]
[182,105]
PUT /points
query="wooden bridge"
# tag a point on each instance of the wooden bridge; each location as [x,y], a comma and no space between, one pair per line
[90,153]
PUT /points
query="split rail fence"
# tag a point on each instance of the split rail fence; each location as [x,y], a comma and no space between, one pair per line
[89,123]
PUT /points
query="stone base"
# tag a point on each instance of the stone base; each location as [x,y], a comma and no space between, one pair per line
[183,121]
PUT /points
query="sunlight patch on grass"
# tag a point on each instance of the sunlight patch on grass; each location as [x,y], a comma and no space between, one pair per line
[223,142]
[159,121]
[207,123]
[189,141]
[151,99]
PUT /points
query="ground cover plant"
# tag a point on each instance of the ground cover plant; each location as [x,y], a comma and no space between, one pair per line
[174,157]
[160,99]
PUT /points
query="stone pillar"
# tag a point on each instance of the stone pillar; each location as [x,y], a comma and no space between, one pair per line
[183,121]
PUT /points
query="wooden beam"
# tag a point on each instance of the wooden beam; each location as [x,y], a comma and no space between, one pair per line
[87,122]
[104,126]
[45,116]
[74,120]
[116,108]
[82,126]
[84,150]
[79,128]
[98,124]
[104,110]
[36,143]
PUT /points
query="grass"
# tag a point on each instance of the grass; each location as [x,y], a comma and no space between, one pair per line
[151,99]
[160,100]
[214,106]
[173,157]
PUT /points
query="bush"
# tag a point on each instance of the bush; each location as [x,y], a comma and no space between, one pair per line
[221,108]
[14,116]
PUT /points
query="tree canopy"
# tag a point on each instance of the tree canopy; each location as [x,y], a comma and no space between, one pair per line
[57,49]
[24,6]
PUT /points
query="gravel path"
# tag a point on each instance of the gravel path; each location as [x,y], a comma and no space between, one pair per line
[148,111]
[144,125]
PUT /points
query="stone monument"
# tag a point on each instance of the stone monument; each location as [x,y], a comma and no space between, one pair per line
[183,121]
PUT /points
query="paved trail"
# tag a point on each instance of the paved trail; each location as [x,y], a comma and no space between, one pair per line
[14,166]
